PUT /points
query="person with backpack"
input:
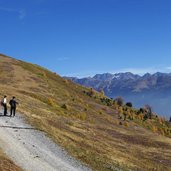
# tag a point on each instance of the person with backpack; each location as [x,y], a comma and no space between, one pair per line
[4,104]
[13,104]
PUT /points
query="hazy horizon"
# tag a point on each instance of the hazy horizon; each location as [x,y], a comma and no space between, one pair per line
[119,72]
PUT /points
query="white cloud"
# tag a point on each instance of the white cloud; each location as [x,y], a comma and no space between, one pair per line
[21,13]
[168,68]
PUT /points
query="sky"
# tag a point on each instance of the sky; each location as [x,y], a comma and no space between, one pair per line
[85,37]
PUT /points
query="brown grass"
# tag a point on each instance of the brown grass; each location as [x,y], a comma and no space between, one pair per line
[6,164]
[95,135]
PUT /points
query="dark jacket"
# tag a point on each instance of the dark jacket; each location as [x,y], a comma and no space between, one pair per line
[13,103]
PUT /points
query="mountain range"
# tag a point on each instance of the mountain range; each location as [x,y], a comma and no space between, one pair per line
[152,89]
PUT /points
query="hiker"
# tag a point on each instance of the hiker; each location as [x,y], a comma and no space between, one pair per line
[13,104]
[4,104]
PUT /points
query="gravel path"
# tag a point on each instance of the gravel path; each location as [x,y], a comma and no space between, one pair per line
[31,149]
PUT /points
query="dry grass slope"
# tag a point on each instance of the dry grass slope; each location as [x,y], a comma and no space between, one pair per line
[75,117]
[6,164]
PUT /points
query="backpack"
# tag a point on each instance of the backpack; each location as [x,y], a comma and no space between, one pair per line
[2,103]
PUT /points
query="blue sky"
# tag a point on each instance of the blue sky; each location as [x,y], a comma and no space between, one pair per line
[85,37]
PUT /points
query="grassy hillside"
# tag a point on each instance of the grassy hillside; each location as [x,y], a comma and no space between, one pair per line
[89,126]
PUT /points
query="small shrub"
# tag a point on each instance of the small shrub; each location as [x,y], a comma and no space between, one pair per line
[119,116]
[91,92]
[67,94]
[154,129]
[50,102]
[125,116]
[120,110]
[145,117]
[102,92]
[148,110]
[161,120]
[83,116]
[140,111]
[126,124]
[161,131]
[80,100]
[129,104]
[66,81]
[120,123]
[87,105]
[100,112]
[41,74]
[64,106]
[141,116]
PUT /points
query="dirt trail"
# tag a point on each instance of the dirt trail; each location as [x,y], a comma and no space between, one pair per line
[31,149]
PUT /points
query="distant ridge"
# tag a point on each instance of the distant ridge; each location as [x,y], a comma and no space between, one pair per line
[154,89]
